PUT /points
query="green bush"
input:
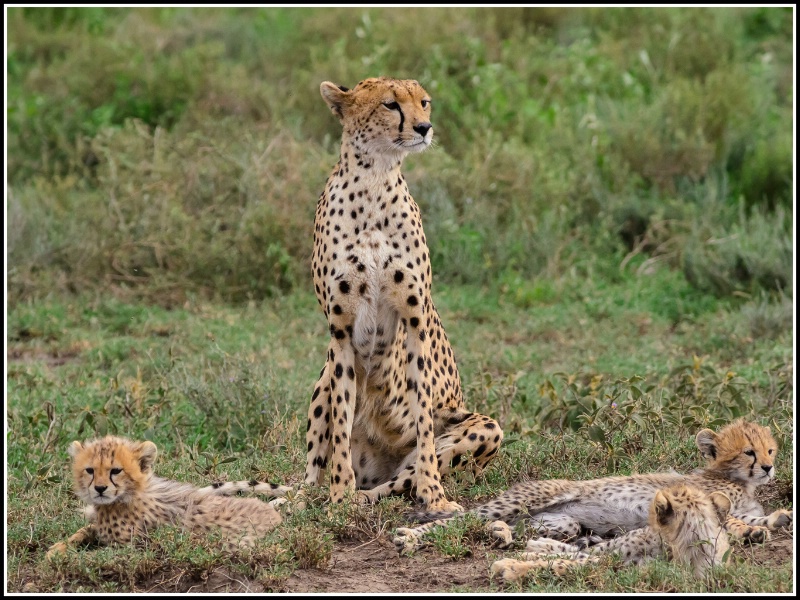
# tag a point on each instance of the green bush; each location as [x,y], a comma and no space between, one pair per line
[169,152]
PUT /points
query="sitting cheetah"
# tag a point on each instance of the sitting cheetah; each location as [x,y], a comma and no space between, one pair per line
[387,413]
[125,499]
[684,524]
[740,458]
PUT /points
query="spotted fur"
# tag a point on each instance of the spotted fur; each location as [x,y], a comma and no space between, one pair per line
[684,525]
[740,458]
[125,500]
[387,414]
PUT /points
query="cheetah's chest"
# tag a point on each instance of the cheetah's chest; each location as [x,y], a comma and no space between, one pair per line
[369,255]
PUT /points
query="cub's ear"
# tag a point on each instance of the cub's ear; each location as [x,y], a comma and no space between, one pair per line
[74,448]
[706,441]
[722,504]
[146,453]
[337,97]
[662,508]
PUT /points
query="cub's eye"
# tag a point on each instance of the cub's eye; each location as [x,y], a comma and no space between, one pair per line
[770,451]
[90,470]
[750,452]
[392,105]
[116,471]
[425,103]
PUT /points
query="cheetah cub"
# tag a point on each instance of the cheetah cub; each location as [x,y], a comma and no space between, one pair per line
[684,525]
[387,414]
[740,458]
[125,499]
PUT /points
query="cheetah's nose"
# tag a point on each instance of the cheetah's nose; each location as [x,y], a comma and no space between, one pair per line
[100,489]
[767,468]
[422,128]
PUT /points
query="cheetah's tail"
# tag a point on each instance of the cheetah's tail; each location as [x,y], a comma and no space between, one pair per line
[229,488]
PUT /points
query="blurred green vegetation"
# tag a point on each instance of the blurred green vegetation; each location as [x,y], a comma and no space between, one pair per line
[166,153]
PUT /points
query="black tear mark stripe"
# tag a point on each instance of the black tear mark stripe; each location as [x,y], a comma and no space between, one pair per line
[402,117]
[755,458]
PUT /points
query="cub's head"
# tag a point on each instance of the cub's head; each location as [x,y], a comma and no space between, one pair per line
[382,116]
[111,469]
[742,451]
[692,525]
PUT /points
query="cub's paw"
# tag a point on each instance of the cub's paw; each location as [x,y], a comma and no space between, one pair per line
[502,533]
[407,540]
[755,534]
[55,550]
[780,518]
[509,569]
[278,502]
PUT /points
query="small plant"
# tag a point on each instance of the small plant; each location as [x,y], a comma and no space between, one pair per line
[460,538]
[619,416]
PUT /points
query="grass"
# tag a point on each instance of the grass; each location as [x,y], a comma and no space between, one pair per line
[608,207]
[222,391]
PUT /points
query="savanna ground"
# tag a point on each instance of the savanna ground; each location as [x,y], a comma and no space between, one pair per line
[610,217]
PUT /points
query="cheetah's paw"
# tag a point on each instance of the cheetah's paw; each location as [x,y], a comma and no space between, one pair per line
[407,540]
[756,534]
[780,518]
[509,569]
[365,498]
[55,550]
[445,506]
[502,533]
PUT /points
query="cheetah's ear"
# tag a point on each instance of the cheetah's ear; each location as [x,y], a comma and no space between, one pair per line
[722,504]
[337,97]
[147,452]
[74,448]
[663,508]
[707,443]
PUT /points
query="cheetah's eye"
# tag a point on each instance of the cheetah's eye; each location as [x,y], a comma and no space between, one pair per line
[425,103]
[90,470]
[750,452]
[116,471]
[770,451]
[392,105]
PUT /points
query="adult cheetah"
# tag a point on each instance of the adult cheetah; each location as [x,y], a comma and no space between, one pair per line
[387,413]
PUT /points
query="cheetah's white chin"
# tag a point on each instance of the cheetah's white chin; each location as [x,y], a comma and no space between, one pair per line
[103,499]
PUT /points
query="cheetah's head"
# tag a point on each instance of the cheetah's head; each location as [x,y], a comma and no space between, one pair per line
[382,116]
[742,451]
[111,469]
[691,523]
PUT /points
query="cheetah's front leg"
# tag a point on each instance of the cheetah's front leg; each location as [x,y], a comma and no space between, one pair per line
[756,529]
[84,535]
[318,431]
[341,365]
[416,314]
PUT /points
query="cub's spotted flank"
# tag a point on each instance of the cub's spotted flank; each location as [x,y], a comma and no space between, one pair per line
[740,458]
[684,525]
[126,500]
[387,414]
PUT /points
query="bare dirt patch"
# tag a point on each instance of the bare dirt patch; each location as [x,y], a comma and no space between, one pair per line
[373,566]
[377,567]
